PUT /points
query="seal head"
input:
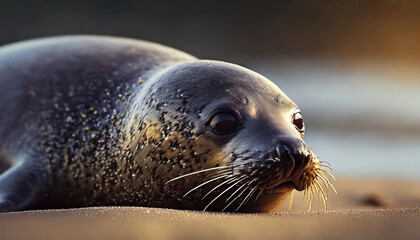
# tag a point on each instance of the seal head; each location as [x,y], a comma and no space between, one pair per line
[233,127]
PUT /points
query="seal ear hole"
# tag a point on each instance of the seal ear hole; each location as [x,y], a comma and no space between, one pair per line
[224,123]
[298,121]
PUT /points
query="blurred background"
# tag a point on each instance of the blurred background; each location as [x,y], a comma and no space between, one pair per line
[353,67]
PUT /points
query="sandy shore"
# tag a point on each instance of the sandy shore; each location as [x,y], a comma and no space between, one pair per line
[369,209]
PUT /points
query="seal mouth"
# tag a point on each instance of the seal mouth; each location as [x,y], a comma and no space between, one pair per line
[295,184]
[298,183]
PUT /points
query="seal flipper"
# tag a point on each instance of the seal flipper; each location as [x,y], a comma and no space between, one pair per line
[20,186]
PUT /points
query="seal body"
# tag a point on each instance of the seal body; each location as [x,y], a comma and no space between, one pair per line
[93,121]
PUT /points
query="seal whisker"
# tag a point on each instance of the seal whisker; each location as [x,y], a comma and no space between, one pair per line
[321,192]
[321,189]
[325,200]
[253,191]
[291,200]
[325,193]
[308,194]
[326,167]
[223,183]
[322,174]
[332,186]
[324,162]
[325,203]
[319,185]
[234,95]
[310,201]
[323,181]
[220,172]
[239,195]
[315,186]
[247,197]
[206,182]
[314,183]
[235,192]
[311,193]
[305,193]
[329,174]
[227,189]
[197,172]
[250,190]
[260,193]
[327,180]
[247,184]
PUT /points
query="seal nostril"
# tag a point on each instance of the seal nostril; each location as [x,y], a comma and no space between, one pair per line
[292,155]
[290,162]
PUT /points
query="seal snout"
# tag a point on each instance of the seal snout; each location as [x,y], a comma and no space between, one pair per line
[288,162]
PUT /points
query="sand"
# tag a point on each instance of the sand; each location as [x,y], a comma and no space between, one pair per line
[363,209]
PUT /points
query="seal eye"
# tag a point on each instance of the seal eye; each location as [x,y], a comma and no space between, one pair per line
[224,123]
[298,121]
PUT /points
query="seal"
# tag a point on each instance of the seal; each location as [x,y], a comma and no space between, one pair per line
[95,121]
